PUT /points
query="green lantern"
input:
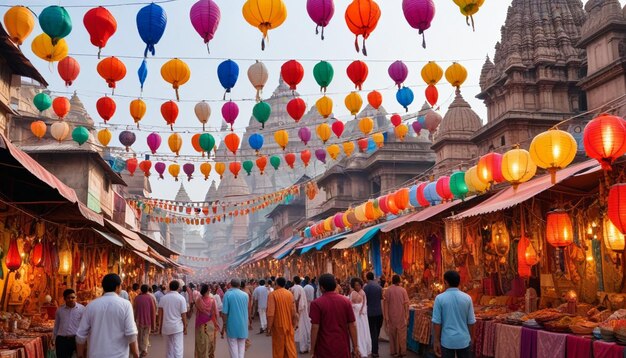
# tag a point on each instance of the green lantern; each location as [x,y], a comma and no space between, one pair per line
[80,135]
[458,187]
[261,112]
[275,162]
[55,22]
[247,166]
[323,73]
[42,101]
[207,142]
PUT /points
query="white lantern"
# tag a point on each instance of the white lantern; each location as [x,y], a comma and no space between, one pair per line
[60,130]
[203,112]
[258,75]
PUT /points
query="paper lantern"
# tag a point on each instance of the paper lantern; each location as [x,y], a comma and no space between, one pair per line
[348,148]
[553,150]
[188,169]
[323,73]
[38,128]
[131,166]
[205,169]
[334,151]
[261,163]
[247,166]
[145,166]
[205,17]
[401,198]
[401,131]
[232,142]
[100,25]
[80,135]
[398,72]
[469,8]
[65,260]
[354,102]
[106,108]
[220,169]
[258,76]
[442,186]
[396,120]
[375,99]
[419,14]
[60,131]
[363,143]
[338,221]
[432,95]
[174,170]
[227,74]
[362,17]
[457,184]
[413,196]
[275,161]
[559,231]
[154,142]
[264,15]
[235,168]
[127,138]
[142,73]
[68,69]
[36,255]
[518,167]
[151,22]
[321,12]
[357,72]
[323,132]
[366,125]
[613,238]
[290,159]
[19,23]
[305,156]
[175,72]
[42,101]
[324,106]
[617,206]
[431,195]
[405,97]
[304,134]
[203,113]
[56,22]
[320,154]
[195,143]
[360,213]
[169,112]
[112,70]
[604,138]
[256,142]
[160,167]
[43,48]
[296,108]
[175,142]
[378,139]
[489,168]
[456,75]
[281,138]
[337,128]
[230,112]
[473,182]
[13,260]
[262,112]
[292,73]
[104,137]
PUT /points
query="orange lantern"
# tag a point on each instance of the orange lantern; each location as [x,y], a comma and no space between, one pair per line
[112,70]
[220,168]
[205,169]
[232,142]
[137,110]
[175,141]
[38,128]
[402,198]
[195,143]
[261,163]
[61,106]
[559,231]
[375,99]
[489,168]
[235,168]
[362,17]
[324,132]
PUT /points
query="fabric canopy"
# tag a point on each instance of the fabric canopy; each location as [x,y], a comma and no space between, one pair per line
[286,250]
[148,258]
[112,238]
[352,238]
[130,237]
[318,245]
[421,215]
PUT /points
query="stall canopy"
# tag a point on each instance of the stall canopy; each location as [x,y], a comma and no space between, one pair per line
[286,250]
[319,244]
[359,238]
[267,252]
[157,246]
[112,238]
[129,236]
[422,215]
[148,258]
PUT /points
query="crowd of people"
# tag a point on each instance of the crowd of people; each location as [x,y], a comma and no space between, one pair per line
[325,317]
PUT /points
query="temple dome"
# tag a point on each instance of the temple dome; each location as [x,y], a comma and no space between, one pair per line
[460,119]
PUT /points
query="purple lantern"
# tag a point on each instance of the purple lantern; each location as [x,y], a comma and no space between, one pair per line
[230,111]
[320,11]
[417,127]
[419,14]
[320,154]
[154,142]
[398,72]
[189,168]
[205,17]
[305,135]
[127,138]
[160,168]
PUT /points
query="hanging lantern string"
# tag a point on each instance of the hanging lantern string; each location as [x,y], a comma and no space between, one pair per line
[84,6]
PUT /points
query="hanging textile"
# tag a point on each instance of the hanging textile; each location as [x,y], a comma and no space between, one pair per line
[436,245]
[407,254]
[376,259]
[597,257]
[396,257]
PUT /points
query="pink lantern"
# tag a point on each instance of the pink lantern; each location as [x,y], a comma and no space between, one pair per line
[338,128]
[432,120]
[320,154]
[419,14]
[320,11]
[305,135]
[338,220]
[205,17]
[443,188]
[189,168]
[154,142]
[230,111]
[417,127]
[398,72]
[160,168]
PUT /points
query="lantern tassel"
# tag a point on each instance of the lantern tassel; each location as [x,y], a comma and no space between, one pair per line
[263,44]
[203,125]
[317,29]
[322,33]
[472,18]
[356,44]
[207,48]
[177,97]
[364,48]
[423,39]
[99,50]
[172,127]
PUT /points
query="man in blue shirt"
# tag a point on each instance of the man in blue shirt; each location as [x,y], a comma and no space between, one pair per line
[374,295]
[453,318]
[235,317]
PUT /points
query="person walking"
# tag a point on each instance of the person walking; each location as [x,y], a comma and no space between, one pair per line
[145,315]
[396,313]
[359,306]
[173,321]
[135,291]
[66,324]
[332,323]
[303,333]
[282,319]
[235,316]
[107,328]
[206,324]
[259,296]
[374,298]
[453,319]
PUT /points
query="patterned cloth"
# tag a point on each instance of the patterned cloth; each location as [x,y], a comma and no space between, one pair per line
[607,350]
[490,339]
[529,343]
[422,327]
[479,336]
[578,347]
[508,341]
[551,345]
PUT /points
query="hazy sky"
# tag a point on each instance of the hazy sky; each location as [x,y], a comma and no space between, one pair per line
[449,39]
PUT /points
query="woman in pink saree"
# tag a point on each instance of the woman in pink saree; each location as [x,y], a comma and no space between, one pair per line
[206,324]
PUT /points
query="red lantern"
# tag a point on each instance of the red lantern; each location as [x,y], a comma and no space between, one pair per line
[338,128]
[489,168]
[443,188]
[605,139]
[112,70]
[68,69]
[169,111]
[234,168]
[559,231]
[145,166]
[131,166]
[432,95]
[296,108]
[261,163]
[292,73]
[290,159]
[36,255]
[232,142]
[421,198]
[106,108]
[617,206]
[396,120]
[100,25]
[375,99]
[383,204]
[363,144]
[61,106]
[305,156]
[13,259]
[357,72]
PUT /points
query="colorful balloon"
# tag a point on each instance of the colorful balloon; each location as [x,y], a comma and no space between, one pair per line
[235,168]
[296,108]
[68,70]
[419,14]
[281,137]
[100,25]
[42,101]
[261,163]
[61,106]
[175,142]
[353,102]
[43,48]
[247,166]
[323,73]
[137,110]
[205,169]
[207,142]
[39,128]
[131,166]
[256,142]
[290,159]
[258,76]
[174,170]
[154,142]
[334,151]
[228,73]
[375,99]
[432,95]
[398,72]
[112,70]
[106,108]
[261,112]
[275,162]
[169,111]
[104,137]
[324,106]
[348,148]
[188,169]
[323,132]
[230,112]
[304,134]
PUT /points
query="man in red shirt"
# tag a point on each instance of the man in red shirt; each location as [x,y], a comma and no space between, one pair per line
[333,323]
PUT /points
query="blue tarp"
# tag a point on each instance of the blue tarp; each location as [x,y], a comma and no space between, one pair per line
[318,245]
[367,237]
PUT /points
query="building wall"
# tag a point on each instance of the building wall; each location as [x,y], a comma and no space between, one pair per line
[5,95]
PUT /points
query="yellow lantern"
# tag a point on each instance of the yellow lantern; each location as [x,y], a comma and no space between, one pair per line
[137,110]
[282,138]
[328,224]
[379,139]
[60,130]
[174,170]
[469,8]
[500,238]
[613,238]
[553,150]
[264,15]
[359,212]
[432,73]
[354,102]
[401,131]
[366,125]
[220,168]
[44,49]
[104,137]
[65,260]
[456,74]
[333,150]
[175,72]
[518,167]
[323,132]
[473,182]
[344,218]
[205,169]
[348,148]
[19,23]
[175,141]
[324,106]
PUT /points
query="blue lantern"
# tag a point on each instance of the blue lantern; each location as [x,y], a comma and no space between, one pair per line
[413,197]
[430,193]
[256,141]
[151,21]
[307,232]
[405,97]
[119,164]
[422,121]
[142,72]
[227,73]
[371,146]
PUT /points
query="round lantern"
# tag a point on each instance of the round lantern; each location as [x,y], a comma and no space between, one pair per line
[104,137]
[553,150]
[320,11]
[489,168]
[430,193]
[61,106]
[227,74]
[391,204]
[290,159]
[366,125]
[320,154]
[375,99]
[261,112]
[174,170]
[169,111]
[127,138]
[261,163]
[42,101]
[456,74]
[559,231]
[203,112]
[145,166]
[419,14]
[353,102]
[296,108]
[304,134]
[363,144]
[230,112]
[473,182]
[19,23]
[469,8]
[362,17]
[247,166]
[205,17]
[60,130]
[175,142]
[56,22]
[378,139]
[413,196]
[154,142]
[264,15]
[442,186]
[334,151]
[398,72]
[160,167]
[281,138]
[37,254]
[421,197]
[275,162]
[518,167]
[405,97]
[432,73]
[106,108]
[324,106]
[292,73]
[65,260]
[231,140]
[137,110]
[401,131]
[43,48]
[417,127]
[613,238]
[151,22]
[235,168]
[323,73]
[256,142]
[305,156]
[38,128]
[396,120]
[357,72]
[258,76]
[68,69]
[432,95]
[176,73]
[458,187]
[220,169]
[80,135]
[205,169]
[112,70]
[348,148]
[617,206]
[323,132]
[402,198]
[100,25]
[605,139]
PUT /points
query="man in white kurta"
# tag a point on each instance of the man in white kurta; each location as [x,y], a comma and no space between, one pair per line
[303,333]
[173,325]
[108,326]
